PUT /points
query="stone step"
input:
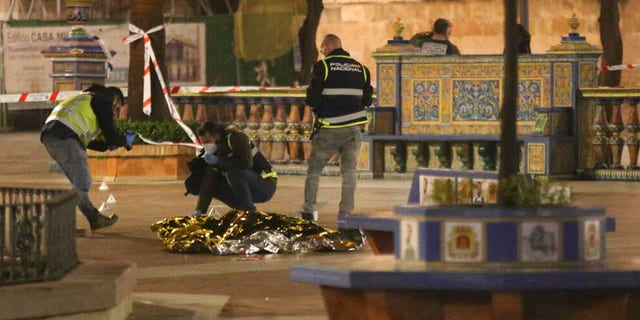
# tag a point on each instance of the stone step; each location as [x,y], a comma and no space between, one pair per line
[91,291]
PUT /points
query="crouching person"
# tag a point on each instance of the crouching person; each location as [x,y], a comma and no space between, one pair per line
[231,169]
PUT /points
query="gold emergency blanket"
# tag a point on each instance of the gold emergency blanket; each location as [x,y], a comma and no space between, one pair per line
[241,232]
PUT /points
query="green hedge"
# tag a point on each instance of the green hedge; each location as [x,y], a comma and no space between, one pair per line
[158,130]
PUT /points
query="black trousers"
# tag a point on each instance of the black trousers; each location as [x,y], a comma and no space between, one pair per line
[238,189]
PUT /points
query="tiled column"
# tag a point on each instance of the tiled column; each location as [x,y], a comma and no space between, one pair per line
[615,127]
[600,145]
[294,125]
[266,125]
[240,115]
[633,126]
[307,127]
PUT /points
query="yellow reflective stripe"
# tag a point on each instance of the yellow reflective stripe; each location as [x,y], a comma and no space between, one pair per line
[351,124]
[346,117]
[326,69]
[271,174]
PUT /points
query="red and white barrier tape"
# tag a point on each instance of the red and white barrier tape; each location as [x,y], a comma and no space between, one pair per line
[207,89]
[37,96]
[169,143]
[61,95]
[137,34]
[620,67]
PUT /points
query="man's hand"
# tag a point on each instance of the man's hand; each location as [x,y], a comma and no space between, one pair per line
[130,137]
[211,159]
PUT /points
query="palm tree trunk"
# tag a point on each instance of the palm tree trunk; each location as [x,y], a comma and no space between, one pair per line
[611,42]
[307,39]
[510,148]
[147,14]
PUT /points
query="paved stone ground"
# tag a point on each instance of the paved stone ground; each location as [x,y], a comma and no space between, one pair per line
[203,286]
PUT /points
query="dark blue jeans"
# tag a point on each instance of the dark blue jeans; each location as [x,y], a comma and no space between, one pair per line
[238,189]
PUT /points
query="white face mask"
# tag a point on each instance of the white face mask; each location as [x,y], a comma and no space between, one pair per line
[210,148]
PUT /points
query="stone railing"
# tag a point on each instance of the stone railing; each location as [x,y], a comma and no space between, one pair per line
[277,120]
[38,235]
[613,138]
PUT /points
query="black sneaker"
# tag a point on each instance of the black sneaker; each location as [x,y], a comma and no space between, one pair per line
[103,222]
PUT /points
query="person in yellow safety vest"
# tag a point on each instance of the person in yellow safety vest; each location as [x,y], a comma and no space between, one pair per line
[85,121]
[231,169]
[339,91]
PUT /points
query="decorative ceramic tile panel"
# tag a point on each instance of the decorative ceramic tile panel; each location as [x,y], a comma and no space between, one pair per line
[563,84]
[591,239]
[422,70]
[387,85]
[484,191]
[588,76]
[464,242]
[363,156]
[476,99]
[426,100]
[476,70]
[540,242]
[533,70]
[409,244]
[536,158]
[465,188]
[529,98]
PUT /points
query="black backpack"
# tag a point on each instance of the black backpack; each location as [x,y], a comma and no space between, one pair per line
[194,180]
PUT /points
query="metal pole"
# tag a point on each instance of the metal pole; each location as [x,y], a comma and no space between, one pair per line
[4,108]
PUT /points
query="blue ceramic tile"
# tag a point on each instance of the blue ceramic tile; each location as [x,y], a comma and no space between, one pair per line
[433,239]
[502,242]
[570,241]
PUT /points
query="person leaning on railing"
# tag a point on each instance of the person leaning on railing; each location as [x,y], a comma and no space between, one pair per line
[436,42]
[80,122]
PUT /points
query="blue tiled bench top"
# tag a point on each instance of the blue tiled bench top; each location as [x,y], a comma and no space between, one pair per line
[384,272]
[390,223]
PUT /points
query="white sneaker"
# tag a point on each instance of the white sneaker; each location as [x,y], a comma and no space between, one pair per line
[311,216]
[197,213]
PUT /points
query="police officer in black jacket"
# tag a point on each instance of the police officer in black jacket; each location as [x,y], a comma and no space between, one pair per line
[339,91]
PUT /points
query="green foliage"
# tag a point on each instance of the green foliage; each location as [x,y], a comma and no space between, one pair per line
[519,191]
[158,130]
[524,191]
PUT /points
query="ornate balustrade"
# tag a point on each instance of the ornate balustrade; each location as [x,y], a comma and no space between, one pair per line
[278,121]
[613,115]
[37,234]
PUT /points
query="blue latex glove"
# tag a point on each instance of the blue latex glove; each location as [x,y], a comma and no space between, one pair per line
[130,137]
[211,159]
